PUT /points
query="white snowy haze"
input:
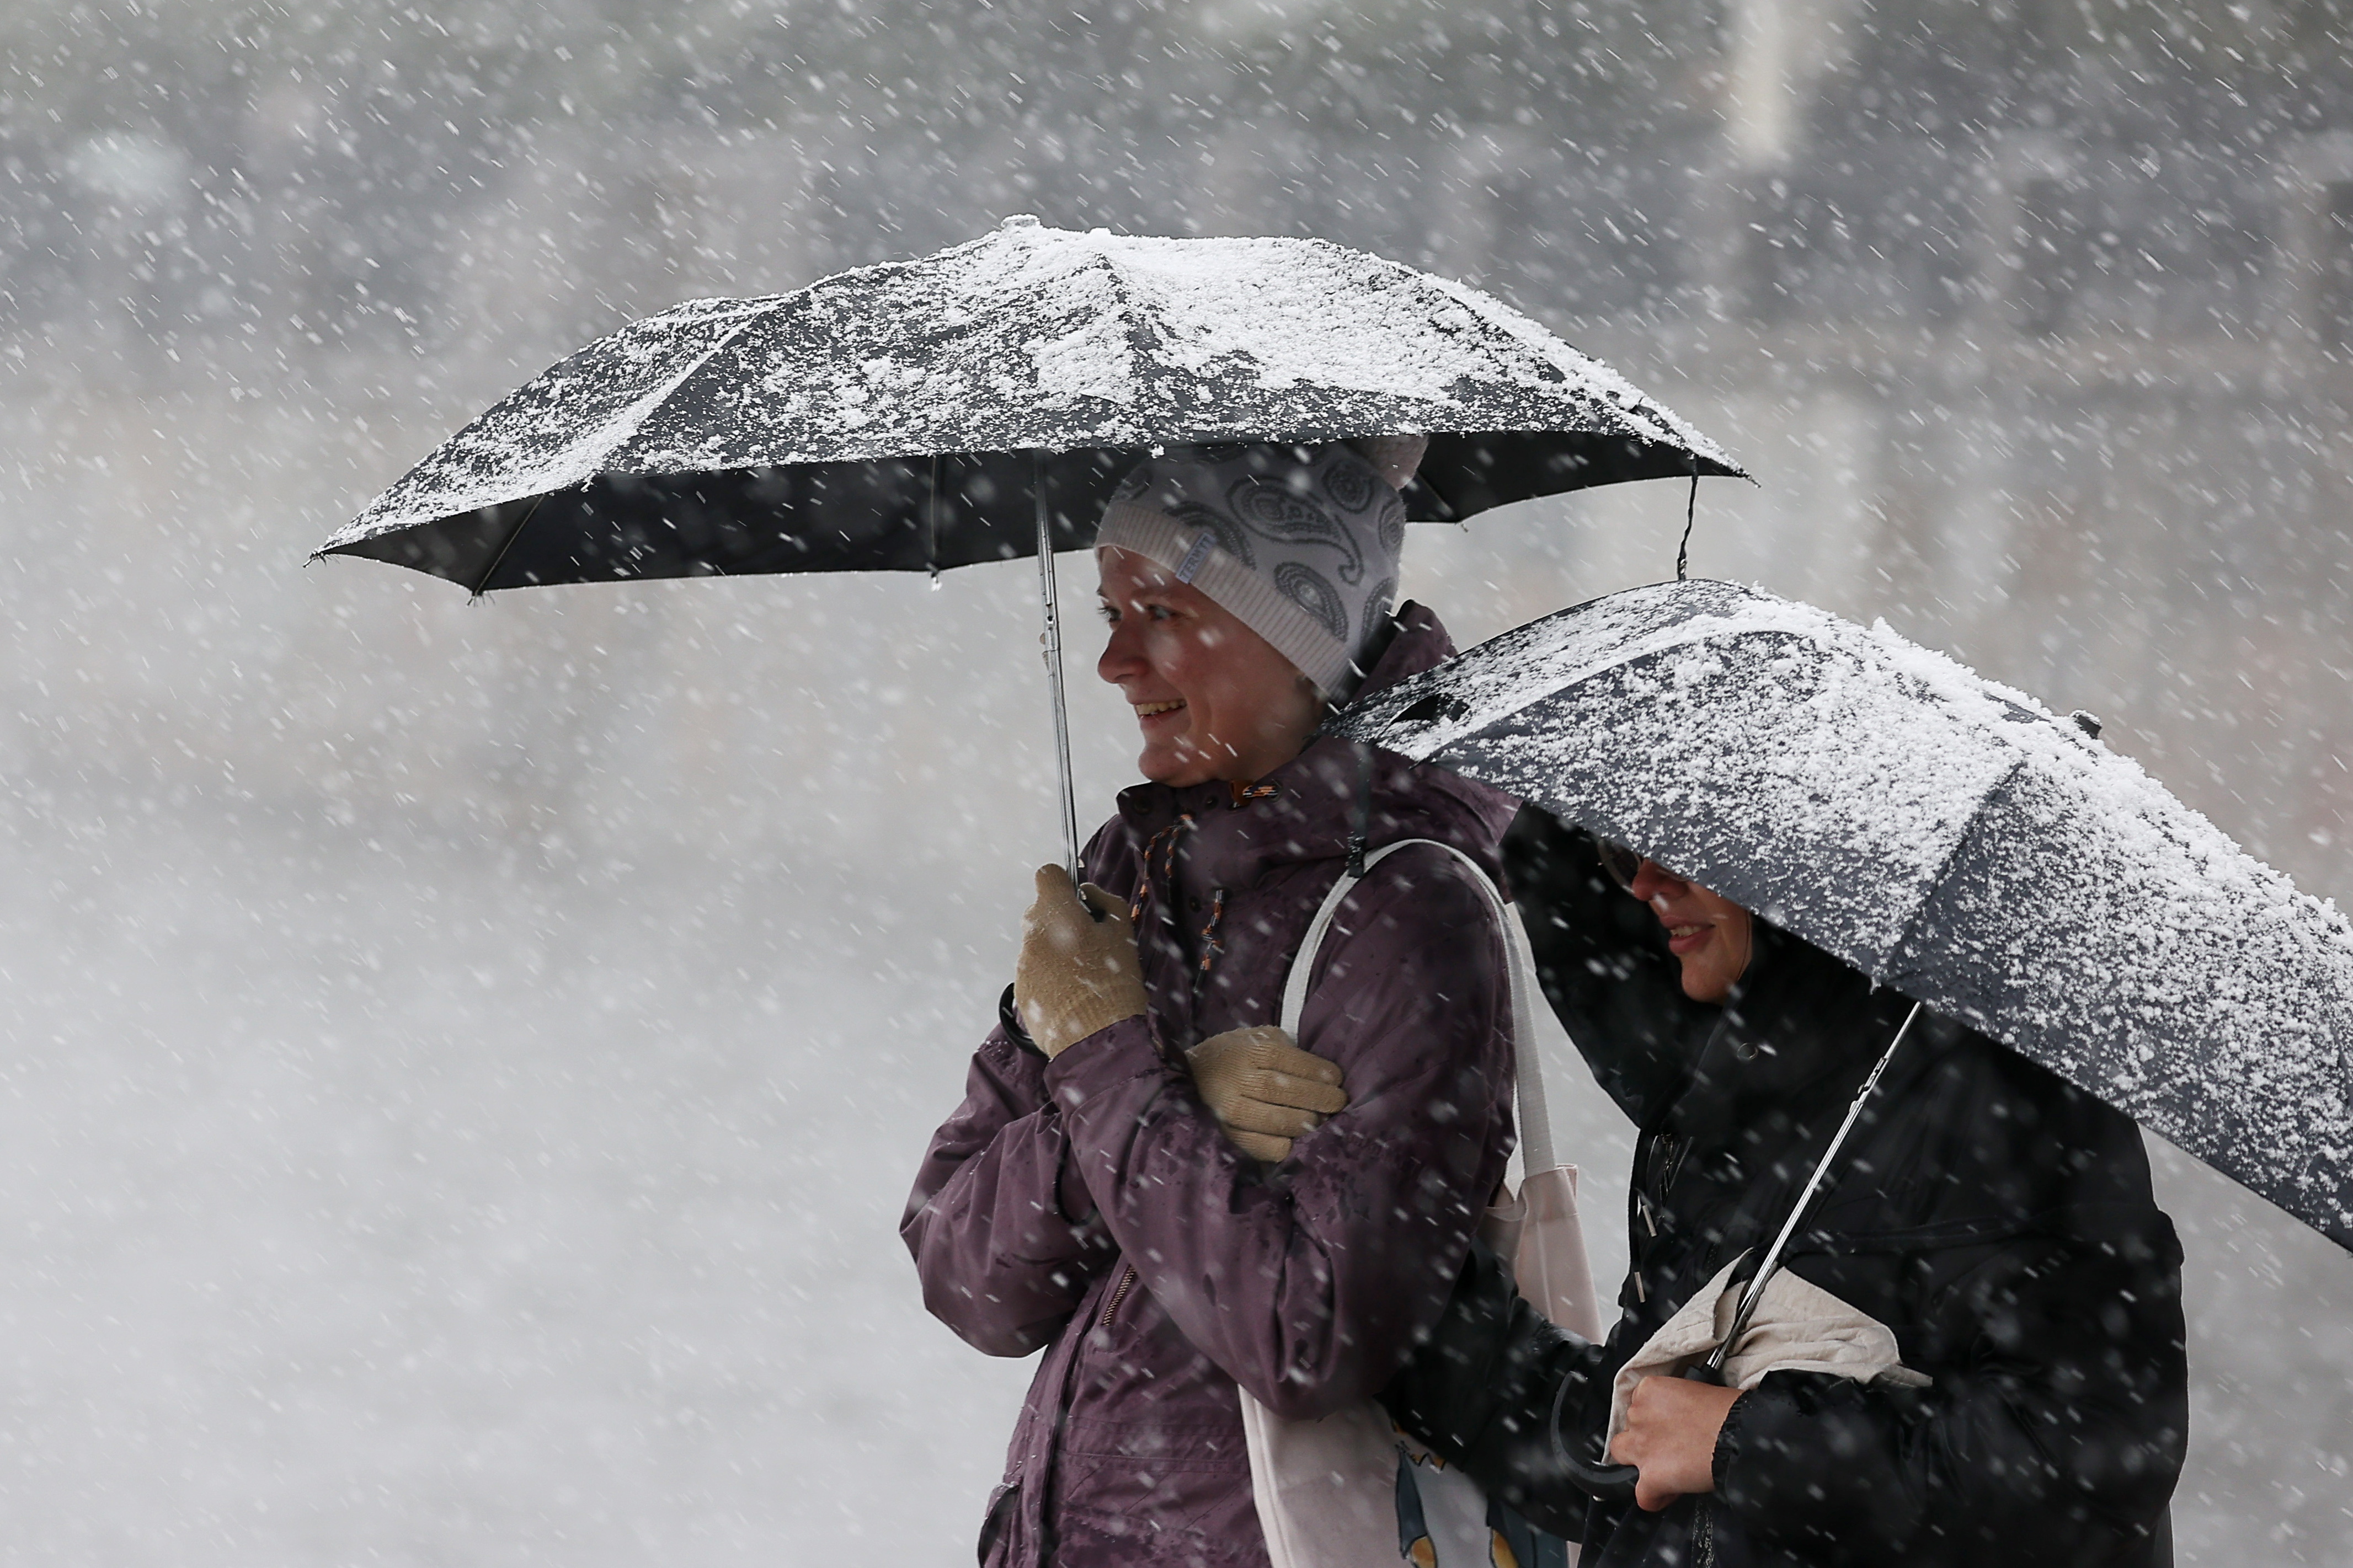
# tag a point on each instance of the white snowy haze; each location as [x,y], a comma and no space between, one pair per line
[460,1064]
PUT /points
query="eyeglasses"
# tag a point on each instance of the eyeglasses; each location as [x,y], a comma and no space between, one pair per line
[1622,864]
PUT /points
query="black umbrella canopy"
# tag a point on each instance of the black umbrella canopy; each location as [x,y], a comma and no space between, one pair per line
[1948,836]
[891,419]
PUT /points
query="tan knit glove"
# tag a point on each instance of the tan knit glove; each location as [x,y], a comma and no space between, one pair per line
[1076,975]
[1263,1090]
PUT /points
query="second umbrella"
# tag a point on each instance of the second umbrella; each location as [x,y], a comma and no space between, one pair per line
[1948,837]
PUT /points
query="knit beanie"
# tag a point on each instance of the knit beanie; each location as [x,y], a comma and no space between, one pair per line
[1299,542]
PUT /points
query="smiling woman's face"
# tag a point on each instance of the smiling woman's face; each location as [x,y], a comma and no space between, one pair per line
[1707,931]
[1213,698]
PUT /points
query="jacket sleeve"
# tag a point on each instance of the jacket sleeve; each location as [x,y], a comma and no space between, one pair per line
[1307,1284]
[1003,1237]
[2059,1432]
[1485,1385]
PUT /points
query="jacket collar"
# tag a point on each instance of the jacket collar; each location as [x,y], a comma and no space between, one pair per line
[1800,1024]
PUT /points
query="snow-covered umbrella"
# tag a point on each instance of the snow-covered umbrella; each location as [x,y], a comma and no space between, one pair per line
[980,404]
[1948,836]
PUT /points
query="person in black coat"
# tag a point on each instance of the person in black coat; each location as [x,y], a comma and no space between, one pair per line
[1998,1220]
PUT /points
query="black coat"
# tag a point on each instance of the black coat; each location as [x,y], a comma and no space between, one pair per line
[1998,1220]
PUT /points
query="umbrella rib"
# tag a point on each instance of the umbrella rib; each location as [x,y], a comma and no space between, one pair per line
[483,584]
[1945,868]
[1684,635]
[932,524]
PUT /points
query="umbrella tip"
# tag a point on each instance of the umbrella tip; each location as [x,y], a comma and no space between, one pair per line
[1021,220]
[2087,723]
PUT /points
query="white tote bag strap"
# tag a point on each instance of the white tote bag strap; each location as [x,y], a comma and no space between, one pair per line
[1328,1493]
[1527,1066]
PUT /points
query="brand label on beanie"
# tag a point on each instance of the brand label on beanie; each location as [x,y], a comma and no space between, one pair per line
[1194,556]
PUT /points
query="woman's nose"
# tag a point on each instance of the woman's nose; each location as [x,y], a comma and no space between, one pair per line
[1119,657]
[1651,880]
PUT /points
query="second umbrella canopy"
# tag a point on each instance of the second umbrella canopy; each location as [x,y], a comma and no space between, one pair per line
[1948,836]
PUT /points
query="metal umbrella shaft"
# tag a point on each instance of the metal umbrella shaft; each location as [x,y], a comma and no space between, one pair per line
[1772,1264]
[1053,640]
[1612,1482]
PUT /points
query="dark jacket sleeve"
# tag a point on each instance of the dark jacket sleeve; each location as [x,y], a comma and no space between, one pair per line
[1000,1229]
[1308,1286]
[2048,1316]
[1484,1388]
[2059,1436]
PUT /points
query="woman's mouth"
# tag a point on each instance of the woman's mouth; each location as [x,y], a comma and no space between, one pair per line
[1155,709]
[1682,939]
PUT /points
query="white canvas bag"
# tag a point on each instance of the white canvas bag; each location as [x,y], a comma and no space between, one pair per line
[1331,1493]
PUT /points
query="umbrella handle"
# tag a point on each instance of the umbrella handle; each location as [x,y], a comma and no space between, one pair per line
[1607,1482]
[1599,1480]
[1601,1483]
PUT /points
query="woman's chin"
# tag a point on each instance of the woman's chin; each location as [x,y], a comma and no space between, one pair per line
[1703,982]
[1177,767]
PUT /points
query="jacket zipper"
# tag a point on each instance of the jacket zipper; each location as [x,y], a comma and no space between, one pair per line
[1118,1294]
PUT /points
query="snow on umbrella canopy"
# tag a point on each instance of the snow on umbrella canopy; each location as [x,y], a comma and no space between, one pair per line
[1948,837]
[885,418]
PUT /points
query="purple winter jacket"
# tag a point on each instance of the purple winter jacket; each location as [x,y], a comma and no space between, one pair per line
[1090,1205]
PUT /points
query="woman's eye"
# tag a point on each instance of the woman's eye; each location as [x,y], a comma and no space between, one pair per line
[1110,616]
[1162,611]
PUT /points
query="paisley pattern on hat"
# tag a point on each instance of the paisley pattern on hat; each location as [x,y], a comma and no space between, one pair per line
[1231,536]
[1273,509]
[1350,486]
[1306,587]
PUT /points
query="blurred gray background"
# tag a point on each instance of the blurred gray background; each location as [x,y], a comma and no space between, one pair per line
[462,1062]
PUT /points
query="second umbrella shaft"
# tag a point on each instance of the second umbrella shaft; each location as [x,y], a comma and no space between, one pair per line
[1764,1270]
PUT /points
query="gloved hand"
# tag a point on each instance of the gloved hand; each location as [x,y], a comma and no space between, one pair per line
[1076,975]
[1263,1090]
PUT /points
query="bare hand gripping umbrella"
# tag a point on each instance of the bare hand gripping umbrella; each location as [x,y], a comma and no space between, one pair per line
[980,404]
